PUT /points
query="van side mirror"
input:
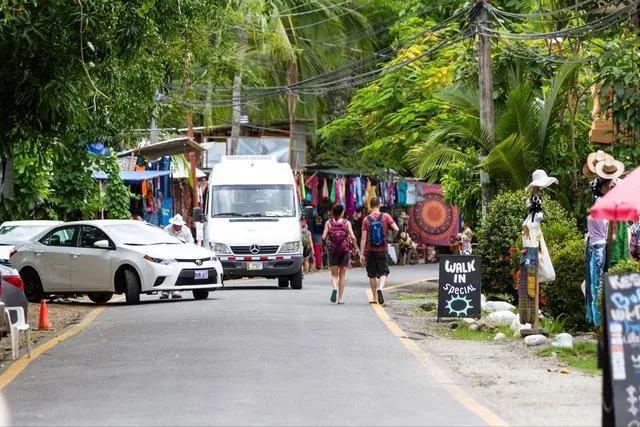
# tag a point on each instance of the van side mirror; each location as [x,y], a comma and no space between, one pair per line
[102,244]
[198,216]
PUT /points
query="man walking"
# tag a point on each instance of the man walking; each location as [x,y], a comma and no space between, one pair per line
[373,248]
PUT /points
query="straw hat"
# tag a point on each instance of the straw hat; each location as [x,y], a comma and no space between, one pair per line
[610,169]
[589,168]
[540,179]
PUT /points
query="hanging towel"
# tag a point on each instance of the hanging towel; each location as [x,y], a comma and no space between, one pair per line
[350,197]
[325,190]
[332,192]
[357,182]
[303,193]
[313,184]
[337,191]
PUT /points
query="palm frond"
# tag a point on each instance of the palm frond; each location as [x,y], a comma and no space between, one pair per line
[510,160]
[429,161]
[554,100]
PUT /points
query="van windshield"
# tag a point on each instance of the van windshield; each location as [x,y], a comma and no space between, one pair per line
[253,201]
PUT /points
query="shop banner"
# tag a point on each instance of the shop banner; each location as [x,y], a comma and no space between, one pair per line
[459,286]
[622,303]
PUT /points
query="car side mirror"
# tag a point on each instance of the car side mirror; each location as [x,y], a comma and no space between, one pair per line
[102,244]
[198,216]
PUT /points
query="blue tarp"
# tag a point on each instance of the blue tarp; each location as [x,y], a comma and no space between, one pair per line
[133,176]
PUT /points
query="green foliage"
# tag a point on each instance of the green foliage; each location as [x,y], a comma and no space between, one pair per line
[118,196]
[500,233]
[563,297]
[461,187]
[626,266]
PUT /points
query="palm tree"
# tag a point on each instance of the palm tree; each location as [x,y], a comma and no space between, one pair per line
[524,129]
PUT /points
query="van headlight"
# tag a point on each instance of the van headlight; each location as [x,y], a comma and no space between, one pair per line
[290,248]
[221,249]
[160,260]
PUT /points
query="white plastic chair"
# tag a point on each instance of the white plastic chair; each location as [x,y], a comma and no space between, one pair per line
[20,325]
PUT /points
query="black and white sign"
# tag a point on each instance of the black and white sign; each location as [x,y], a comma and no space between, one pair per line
[459,286]
[622,293]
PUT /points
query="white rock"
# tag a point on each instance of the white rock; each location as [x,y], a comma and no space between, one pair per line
[516,325]
[563,340]
[468,320]
[492,306]
[501,318]
[534,340]
[516,333]
[483,300]
[499,336]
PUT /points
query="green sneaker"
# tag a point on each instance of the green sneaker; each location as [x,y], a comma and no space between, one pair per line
[334,295]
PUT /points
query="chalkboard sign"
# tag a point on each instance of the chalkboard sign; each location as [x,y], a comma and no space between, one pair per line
[622,303]
[459,286]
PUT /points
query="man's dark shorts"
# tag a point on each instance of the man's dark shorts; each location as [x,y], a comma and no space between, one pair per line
[339,259]
[377,264]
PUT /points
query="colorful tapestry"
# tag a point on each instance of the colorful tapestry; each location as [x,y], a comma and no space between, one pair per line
[431,220]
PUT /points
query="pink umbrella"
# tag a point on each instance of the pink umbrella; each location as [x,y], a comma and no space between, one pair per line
[622,203]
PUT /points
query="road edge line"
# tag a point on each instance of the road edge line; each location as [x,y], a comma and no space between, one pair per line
[437,373]
[21,364]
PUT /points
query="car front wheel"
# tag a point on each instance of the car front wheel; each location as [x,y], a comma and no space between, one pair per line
[296,280]
[200,293]
[101,298]
[132,287]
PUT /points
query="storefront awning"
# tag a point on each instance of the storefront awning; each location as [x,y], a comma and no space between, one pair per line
[133,176]
[169,147]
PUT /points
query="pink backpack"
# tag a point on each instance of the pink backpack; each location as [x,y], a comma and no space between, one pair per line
[338,238]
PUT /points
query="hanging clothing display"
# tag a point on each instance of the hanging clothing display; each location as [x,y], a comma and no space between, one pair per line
[411,194]
[619,244]
[527,285]
[325,190]
[301,185]
[595,259]
[350,197]
[357,184]
[402,193]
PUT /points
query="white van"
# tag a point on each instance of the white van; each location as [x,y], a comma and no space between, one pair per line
[253,219]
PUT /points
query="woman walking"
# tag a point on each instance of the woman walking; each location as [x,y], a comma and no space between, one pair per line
[339,236]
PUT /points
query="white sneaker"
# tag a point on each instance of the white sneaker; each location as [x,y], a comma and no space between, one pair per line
[341,301]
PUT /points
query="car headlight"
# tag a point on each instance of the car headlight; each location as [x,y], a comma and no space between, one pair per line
[221,249]
[159,260]
[290,247]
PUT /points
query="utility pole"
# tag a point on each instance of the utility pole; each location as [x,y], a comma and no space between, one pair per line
[485,78]
[236,96]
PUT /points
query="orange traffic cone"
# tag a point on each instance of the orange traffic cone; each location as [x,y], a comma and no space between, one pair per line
[43,323]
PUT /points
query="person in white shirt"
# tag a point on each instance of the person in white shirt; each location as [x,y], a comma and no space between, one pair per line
[177,228]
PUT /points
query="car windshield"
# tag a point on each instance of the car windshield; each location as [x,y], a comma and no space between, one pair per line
[18,234]
[253,201]
[141,235]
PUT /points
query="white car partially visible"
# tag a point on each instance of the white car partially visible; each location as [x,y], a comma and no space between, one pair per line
[105,257]
[16,233]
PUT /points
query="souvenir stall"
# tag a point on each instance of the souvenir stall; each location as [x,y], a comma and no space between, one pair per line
[418,208]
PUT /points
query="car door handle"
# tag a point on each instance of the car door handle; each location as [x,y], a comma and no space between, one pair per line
[39,253]
[75,255]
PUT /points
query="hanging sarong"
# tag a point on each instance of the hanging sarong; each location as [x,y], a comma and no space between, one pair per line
[528,286]
[595,255]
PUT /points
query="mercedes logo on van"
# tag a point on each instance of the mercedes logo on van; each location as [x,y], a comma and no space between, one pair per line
[198,262]
[254,249]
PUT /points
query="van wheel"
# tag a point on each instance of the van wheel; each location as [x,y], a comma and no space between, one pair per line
[132,287]
[32,285]
[296,280]
[283,282]
[101,298]
[200,293]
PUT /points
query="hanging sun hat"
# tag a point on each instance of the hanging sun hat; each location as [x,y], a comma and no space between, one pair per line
[177,220]
[540,179]
[589,168]
[610,169]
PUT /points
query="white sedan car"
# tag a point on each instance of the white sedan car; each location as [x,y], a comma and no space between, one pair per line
[103,257]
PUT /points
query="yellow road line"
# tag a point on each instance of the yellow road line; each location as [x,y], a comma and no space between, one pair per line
[437,373]
[21,364]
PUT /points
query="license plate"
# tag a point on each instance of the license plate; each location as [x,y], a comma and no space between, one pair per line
[254,266]
[201,274]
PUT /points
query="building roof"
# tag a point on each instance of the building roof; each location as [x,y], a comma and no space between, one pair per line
[168,147]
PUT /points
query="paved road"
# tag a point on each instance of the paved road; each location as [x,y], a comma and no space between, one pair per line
[244,357]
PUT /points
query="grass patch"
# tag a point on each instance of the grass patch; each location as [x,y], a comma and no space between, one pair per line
[553,326]
[406,296]
[583,356]
[464,333]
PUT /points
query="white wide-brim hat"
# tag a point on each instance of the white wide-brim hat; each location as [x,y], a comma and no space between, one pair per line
[177,220]
[540,179]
